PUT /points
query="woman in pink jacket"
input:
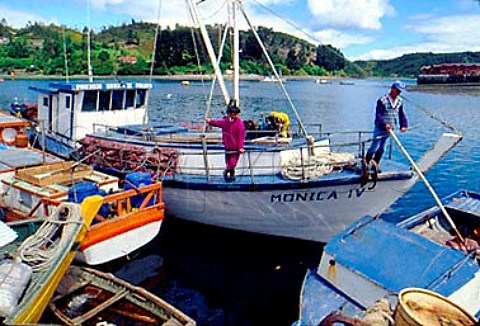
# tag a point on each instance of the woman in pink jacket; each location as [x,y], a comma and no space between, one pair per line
[233,138]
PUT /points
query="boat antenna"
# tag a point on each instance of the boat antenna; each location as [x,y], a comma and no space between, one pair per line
[65,54]
[90,71]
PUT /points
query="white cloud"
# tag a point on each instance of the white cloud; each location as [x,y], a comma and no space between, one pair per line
[170,12]
[365,14]
[275,2]
[103,4]
[385,54]
[439,35]
[451,33]
[340,39]
[19,19]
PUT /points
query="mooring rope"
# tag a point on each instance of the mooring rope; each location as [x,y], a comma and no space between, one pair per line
[41,249]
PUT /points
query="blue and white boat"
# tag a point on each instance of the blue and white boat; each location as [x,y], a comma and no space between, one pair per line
[375,259]
[294,187]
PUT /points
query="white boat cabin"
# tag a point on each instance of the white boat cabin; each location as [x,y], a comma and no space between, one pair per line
[70,110]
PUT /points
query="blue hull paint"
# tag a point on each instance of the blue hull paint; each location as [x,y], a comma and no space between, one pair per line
[392,257]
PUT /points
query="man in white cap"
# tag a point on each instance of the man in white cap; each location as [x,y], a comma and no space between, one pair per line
[389,107]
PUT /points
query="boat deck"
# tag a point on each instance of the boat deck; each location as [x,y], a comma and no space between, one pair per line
[391,170]
[177,137]
[319,298]
[386,247]
[469,204]
[13,158]
[10,120]
[463,207]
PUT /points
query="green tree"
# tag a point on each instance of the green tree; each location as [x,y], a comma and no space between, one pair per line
[330,58]
[18,48]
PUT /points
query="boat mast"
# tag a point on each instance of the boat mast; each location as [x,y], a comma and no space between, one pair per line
[65,54]
[211,53]
[90,72]
[236,54]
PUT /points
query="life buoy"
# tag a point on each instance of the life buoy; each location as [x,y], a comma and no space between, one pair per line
[8,135]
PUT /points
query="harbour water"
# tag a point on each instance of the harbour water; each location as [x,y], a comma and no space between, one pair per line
[226,277]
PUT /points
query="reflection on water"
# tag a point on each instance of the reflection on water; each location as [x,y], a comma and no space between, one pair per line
[225,277]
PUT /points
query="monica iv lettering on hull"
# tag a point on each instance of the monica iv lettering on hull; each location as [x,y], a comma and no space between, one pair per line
[291,197]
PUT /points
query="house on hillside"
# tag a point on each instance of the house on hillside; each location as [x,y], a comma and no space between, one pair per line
[450,73]
[127,60]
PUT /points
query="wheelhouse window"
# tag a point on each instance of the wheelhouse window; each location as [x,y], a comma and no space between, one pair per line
[141,97]
[104,100]
[117,100]
[130,99]
[68,102]
[89,101]
[45,101]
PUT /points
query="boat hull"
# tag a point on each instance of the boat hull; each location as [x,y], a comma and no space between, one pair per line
[314,211]
[111,242]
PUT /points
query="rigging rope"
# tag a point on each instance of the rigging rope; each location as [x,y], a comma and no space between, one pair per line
[42,248]
[270,62]
[430,114]
[145,114]
[314,166]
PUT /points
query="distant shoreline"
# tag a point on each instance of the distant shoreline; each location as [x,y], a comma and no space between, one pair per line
[186,77]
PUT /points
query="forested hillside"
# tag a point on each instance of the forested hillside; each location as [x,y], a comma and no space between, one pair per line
[127,49]
[409,65]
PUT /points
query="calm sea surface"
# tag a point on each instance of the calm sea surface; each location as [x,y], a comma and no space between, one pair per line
[225,277]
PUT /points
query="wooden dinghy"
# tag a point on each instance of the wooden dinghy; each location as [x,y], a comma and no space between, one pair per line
[88,297]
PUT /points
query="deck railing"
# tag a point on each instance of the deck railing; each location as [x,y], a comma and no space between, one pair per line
[354,142]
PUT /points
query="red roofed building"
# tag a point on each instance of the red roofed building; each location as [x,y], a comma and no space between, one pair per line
[125,59]
[450,73]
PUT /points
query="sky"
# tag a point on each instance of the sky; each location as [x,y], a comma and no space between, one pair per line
[361,29]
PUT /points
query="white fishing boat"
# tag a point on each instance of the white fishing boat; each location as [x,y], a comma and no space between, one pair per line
[296,186]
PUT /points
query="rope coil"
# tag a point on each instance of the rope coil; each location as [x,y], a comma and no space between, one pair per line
[315,166]
[41,249]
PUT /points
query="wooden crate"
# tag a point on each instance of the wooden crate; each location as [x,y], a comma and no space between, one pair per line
[58,172]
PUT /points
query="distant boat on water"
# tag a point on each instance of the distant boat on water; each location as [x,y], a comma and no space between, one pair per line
[322,81]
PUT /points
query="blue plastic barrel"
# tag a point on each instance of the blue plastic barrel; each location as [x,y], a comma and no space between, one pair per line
[81,190]
[138,179]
